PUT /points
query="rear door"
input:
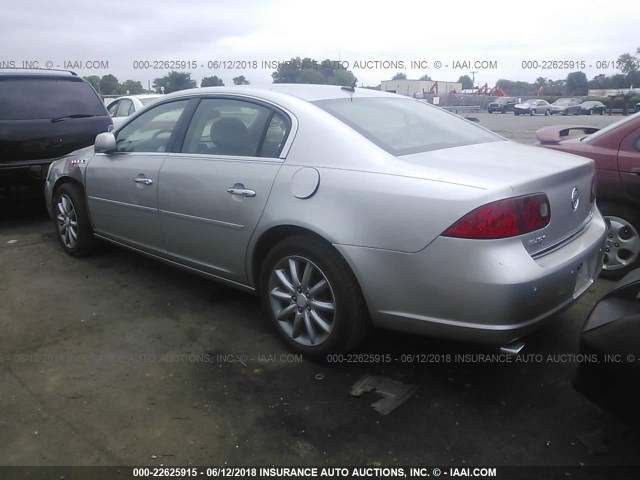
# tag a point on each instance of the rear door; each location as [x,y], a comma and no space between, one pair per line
[213,193]
[122,187]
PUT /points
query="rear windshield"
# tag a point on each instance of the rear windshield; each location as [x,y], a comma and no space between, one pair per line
[405,126]
[148,100]
[47,98]
[613,126]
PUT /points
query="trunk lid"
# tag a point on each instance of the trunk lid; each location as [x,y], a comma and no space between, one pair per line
[508,169]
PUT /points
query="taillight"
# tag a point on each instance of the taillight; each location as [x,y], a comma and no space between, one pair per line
[594,189]
[504,218]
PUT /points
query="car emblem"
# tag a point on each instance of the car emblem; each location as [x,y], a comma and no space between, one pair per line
[575,199]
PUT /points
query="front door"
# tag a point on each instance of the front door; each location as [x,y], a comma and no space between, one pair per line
[122,187]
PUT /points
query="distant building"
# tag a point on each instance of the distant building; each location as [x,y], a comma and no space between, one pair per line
[605,92]
[417,88]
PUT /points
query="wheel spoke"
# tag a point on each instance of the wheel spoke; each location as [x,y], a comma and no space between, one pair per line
[318,287]
[285,281]
[306,275]
[320,322]
[297,325]
[61,207]
[280,295]
[287,310]
[309,327]
[293,270]
[65,204]
[72,234]
[325,306]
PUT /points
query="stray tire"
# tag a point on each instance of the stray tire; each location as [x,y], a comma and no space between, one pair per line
[312,297]
[71,221]
[622,248]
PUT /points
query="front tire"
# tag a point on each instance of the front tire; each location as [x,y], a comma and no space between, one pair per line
[71,221]
[622,249]
[312,297]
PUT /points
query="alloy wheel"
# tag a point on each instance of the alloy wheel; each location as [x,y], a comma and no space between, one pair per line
[302,300]
[622,246]
[67,221]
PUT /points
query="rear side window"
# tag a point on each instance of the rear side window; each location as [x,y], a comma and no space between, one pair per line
[232,127]
[405,126]
[47,98]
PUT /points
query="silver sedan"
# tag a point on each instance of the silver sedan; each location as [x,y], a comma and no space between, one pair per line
[342,209]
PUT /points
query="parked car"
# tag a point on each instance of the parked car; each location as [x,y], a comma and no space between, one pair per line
[339,206]
[122,107]
[616,152]
[637,107]
[531,107]
[609,371]
[502,105]
[590,107]
[565,106]
[44,115]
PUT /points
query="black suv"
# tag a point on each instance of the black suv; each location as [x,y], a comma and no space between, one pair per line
[44,115]
[502,104]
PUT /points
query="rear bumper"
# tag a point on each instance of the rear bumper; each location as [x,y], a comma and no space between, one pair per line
[472,290]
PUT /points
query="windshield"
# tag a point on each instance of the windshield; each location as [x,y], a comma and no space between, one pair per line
[562,101]
[607,129]
[47,98]
[502,100]
[404,126]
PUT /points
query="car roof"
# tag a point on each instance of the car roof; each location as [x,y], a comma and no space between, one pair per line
[38,73]
[276,91]
[145,95]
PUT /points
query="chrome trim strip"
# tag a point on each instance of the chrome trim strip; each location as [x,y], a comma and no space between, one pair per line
[122,204]
[233,226]
[563,242]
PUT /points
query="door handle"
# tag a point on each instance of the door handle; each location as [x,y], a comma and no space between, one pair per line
[143,180]
[238,189]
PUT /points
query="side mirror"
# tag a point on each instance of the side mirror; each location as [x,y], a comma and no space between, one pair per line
[105,143]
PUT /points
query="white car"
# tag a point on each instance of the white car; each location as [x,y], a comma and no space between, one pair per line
[121,107]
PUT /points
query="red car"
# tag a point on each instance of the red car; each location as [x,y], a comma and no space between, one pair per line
[616,152]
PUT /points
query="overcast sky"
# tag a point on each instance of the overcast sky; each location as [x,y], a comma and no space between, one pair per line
[123,32]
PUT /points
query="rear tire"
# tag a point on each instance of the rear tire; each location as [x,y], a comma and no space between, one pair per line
[312,297]
[532,113]
[622,250]
[71,221]
[547,113]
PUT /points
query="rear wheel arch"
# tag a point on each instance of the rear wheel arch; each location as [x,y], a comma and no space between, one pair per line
[270,239]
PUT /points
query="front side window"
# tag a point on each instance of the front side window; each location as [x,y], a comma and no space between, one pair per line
[404,126]
[232,128]
[152,130]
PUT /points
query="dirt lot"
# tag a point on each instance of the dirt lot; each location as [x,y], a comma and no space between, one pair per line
[117,360]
